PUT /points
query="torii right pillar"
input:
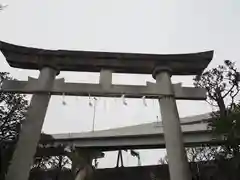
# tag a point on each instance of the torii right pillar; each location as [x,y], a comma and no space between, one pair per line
[177,160]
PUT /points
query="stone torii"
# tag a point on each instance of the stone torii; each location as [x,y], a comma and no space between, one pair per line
[51,62]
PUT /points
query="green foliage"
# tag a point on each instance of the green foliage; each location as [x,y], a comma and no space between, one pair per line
[203,153]
[12,113]
[222,85]
[229,125]
[228,128]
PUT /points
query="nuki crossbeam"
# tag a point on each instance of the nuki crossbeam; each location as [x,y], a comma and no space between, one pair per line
[85,89]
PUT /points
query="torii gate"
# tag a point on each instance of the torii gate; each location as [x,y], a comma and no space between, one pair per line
[51,62]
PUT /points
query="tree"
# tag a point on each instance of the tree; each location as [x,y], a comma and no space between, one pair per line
[12,113]
[222,85]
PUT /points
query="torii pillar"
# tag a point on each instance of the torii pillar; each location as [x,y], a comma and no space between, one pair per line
[178,164]
[29,136]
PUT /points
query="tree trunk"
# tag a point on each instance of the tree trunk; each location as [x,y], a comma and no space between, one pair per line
[221,104]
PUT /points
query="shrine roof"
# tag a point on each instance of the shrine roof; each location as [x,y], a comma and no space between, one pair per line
[94,61]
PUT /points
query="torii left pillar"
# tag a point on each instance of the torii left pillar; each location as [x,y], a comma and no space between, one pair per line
[31,129]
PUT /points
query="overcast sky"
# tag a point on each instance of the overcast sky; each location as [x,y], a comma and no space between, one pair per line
[145,26]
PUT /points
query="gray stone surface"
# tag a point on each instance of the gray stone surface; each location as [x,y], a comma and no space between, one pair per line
[107,90]
[177,159]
